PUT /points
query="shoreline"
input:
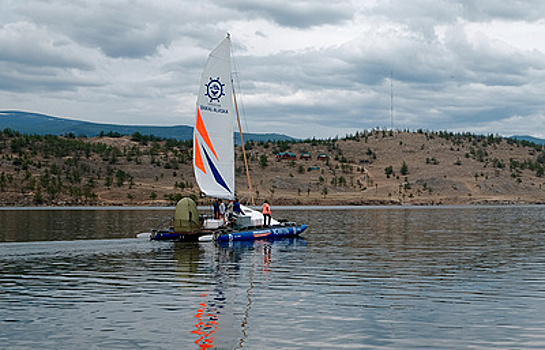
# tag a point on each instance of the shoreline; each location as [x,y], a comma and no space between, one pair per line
[483,204]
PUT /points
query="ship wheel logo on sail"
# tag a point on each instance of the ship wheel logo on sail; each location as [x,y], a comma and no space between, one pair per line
[214,90]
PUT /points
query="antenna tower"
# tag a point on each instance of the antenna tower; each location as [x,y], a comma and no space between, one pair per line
[392,100]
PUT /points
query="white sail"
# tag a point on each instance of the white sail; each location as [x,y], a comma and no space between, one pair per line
[213,147]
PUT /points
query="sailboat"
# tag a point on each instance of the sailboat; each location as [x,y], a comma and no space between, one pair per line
[214,164]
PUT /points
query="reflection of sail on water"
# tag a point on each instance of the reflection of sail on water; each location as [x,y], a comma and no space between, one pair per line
[216,315]
[207,322]
[198,270]
[223,281]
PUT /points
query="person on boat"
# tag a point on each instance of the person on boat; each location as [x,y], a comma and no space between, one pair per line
[222,210]
[216,210]
[266,213]
[237,210]
[230,209]
[234,210]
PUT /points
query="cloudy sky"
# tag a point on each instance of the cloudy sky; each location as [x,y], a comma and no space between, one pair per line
[310,68]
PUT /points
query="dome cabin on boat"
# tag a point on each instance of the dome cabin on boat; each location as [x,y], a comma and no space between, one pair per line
[186,216]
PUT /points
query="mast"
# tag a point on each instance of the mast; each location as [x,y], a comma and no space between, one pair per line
[243,148]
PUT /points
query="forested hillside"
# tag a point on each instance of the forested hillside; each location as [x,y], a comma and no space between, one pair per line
[371,167]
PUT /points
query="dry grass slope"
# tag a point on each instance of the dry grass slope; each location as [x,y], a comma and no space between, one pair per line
[372,167]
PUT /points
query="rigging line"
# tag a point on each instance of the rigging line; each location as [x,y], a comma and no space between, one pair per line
[240,130]
[243,149]
[236,73]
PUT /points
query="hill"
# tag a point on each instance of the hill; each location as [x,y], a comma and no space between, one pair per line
[372,167]
[529,139]
[41,124]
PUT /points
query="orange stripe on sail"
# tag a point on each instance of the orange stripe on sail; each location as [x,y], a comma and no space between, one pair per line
[198,158]
[204,134]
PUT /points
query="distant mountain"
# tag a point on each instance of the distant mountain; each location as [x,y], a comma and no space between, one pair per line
[529,139]
[41,124]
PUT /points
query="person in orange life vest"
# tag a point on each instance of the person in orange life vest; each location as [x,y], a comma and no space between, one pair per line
[266,213]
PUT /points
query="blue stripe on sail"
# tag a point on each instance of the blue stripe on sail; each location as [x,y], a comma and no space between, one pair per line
[217,176]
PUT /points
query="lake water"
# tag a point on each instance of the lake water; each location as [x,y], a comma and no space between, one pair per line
[361,278]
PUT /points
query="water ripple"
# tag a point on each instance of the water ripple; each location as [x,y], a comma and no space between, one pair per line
[375,279]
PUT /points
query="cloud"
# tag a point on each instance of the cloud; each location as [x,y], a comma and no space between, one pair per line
[296,14]
[35,59]
[513,10]
[119,28]
[27,44]
[306,68]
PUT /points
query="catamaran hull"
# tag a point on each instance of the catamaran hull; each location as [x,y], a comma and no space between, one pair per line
[251,235]
[176,237]
[266,233]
